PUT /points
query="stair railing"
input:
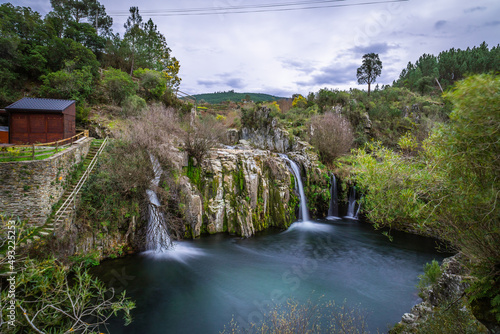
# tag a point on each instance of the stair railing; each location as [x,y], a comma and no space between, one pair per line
[71,198]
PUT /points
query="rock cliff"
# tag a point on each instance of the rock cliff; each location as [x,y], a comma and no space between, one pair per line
[239,190]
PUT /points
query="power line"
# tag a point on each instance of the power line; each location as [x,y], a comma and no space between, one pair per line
[252,8]
[219,8]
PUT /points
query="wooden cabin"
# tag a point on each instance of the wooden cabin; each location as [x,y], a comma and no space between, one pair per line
[34,120]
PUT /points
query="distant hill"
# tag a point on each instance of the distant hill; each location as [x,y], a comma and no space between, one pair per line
[220,97]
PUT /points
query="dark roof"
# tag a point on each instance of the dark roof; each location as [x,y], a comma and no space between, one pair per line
[34,104]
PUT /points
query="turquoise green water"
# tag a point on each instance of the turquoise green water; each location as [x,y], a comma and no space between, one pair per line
[201,285]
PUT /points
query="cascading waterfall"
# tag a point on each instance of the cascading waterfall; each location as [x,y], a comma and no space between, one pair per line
[303,212]
[357,211]
[333,210]
[157,238]
[352,204]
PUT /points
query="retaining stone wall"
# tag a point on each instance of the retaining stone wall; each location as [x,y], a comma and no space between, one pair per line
[29,189]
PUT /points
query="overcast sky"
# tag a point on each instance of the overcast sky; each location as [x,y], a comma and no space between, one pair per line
[285,51]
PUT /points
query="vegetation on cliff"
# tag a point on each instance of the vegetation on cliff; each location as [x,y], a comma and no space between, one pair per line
[449,184]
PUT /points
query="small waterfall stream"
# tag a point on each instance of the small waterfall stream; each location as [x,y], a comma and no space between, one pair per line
[304,212]
[333,210]
[157,238]
[359,207]
[351,213]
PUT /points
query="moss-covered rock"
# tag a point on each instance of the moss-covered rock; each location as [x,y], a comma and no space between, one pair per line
[240,191]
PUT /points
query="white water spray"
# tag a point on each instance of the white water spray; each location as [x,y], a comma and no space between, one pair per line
[157,238]
[303,213]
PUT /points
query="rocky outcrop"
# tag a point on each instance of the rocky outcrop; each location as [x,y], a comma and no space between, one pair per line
[238,190]
[262,130]
[448,292]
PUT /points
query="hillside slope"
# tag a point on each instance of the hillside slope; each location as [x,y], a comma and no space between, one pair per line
[220,97]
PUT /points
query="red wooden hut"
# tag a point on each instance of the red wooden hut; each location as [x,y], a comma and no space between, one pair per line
[33,120]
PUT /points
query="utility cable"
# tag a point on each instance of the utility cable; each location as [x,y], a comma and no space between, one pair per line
[251,9]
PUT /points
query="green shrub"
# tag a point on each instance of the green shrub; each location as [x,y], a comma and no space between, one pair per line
[432,272]
[118,85]
[82,114]
[152,85]
[133,105]
[308,317]
[52,298]
[68,84]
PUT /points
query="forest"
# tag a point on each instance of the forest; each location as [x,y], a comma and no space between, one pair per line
[63,55]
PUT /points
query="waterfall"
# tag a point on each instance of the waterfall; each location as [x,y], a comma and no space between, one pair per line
[359,207]
[157,238]
[352,204]
[333,210]
[303,213]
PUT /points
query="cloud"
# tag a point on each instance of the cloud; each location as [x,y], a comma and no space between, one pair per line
[380,48]
[439,24]
[474,9]
[222,80]
[334,75]
[491,23]
[235,83]
[298,65]
[208,83]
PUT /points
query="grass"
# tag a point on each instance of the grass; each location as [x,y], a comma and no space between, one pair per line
[26,153]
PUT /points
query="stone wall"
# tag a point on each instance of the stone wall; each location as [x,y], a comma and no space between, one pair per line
[29,189]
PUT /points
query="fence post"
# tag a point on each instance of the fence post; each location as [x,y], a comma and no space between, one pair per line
[33,156]
[57,145]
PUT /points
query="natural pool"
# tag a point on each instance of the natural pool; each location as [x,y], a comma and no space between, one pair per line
[202,284]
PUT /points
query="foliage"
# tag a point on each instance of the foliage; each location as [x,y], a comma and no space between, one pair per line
[219,97]
[152,84]
[430,74]
[274,106]
[449,318]
[133,105]
[47,299]
[110,195]
[256,117]
[202,134]
[397,191]
[308,317]
[326,98]
[117,191]
[36,49]
[408,143]
[145,47]
[299,102]
[82,115]
[370,69]
[432,272]
[68,84]
[171,73]
[118,85]
[451,186]
[68,12]
[331,134]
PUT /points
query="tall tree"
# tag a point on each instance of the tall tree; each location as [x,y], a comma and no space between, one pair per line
[133,33]
[370,69]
